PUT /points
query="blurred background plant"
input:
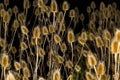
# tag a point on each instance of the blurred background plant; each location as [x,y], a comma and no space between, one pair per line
[40,42]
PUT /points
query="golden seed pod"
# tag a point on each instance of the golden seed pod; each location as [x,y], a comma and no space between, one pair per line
[81,41]
[40,3]
[77,68]
[60,59]
[5,61]
[91,36]
[54,6]
[45,30]
[85,53]
[51,29]
[102,6]
[57,38]
[2,42]
[6,17]
[13,50]
[60,16]
[107,35]
[82,18]
[91,60]
[23,64]
[117,35]
[69,64]
[84,35]
[10,76]
[6,2]
[35,3]
[21,17]
[72,13]
[10,11]
[99,42]
[65,6]
[2,12]
[63,28]
[15,24]
[25,78]
[114,5]
[88,9]
[41,52]
[23,46]
[37,11]
[101,68]
[33,41]
[36,32]
[15,10]
[26,72]
[56,75]
[63,47]
[110,7]
[26,4]
[40,41]
[89,76]
[1,6]
[17,66]
[70,77]
[105,77]
[41,78]
[70,36]
[93,5]
[114,46]
[24,30]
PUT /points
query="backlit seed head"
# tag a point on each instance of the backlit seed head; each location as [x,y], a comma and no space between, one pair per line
[41,78]
[51,29]
[41,52]
[85,53]
[91,60]
[23,64]
[36,32]
[101,68]
[10,11]
[2,42]
[70,36]
[37,11]
[5,61]
[91,36]
[35,3]
[60,16]
[69,64]
[13,50]
[102,6]
[1,6]
[107,35]
[23,46]
[99,42]
[26,4]
[84,35]
[21,17]
[6,17]
[81,41]
[60,59]
[24,30]
[93,5]
[89,76]
[56,75]
[63,47]
[26,72]
[6,2]
[70,77]
[25,78]
[2,12]
[40,3]
[114,46]
[57,38]
[39,41]
[15,9]
[88,9]
[15,24]
[117,35]
[33,41]
[62,28]
[54,6]
[72,13]
[77,68]
[45,30]
[65,6]
[82,18]
[10,76]
[17,65]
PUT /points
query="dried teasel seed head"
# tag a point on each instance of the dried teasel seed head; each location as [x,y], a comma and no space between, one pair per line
[89,76]
[37,11]
[35,3]
[23,46]
[26,4]
[17,65]
[93,5]
[70,36]
[101,68]
[107,35]
[91,36]
[60,59]
[63,47]
[13,50]
[1,6]
[40,3]
[77,68]
[54,6]
[102,6]
[24,30]
[99,42]
[15,24]
[51,29]
[41,52]
[36,32]
[91,60]
[5,61]
[82,17]
[23,64]
[114,46]
[85,53]
[41,78]
[69,64]
[2,42]
[60,16]
[57,38]
[26,72]
[10,76]
[81,41]
[56,75]
[10,11]
[65,6]
[24,78]
[6,17]
[2,12]
[15,10]
[45,30]
[88,9]
[84,35]
[63,28]
[40,41]
[72,13]
[6,2]
[117,35]
[70,77]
